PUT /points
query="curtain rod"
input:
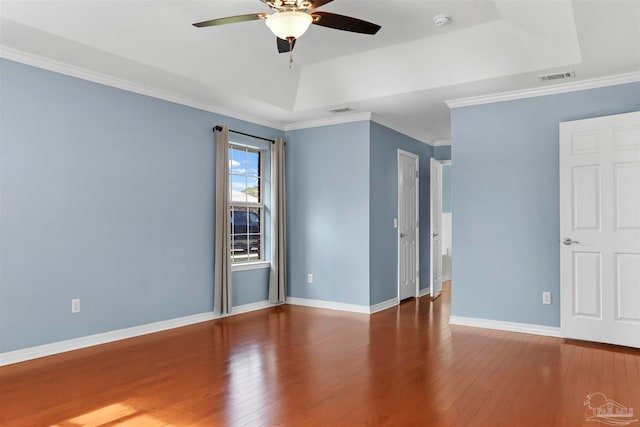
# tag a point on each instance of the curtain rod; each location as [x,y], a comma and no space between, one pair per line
[219,128]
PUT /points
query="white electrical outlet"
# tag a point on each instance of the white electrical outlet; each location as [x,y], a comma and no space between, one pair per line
[75,305]
[309,278]
[546,297]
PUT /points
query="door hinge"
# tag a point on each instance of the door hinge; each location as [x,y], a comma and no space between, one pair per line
[417,174]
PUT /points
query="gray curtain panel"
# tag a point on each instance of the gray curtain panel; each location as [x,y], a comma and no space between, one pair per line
[222,286]
[277,281]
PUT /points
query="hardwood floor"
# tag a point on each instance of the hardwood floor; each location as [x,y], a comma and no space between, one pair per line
[299,366]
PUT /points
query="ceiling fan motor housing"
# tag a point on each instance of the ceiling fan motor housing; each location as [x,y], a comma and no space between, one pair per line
[290,4]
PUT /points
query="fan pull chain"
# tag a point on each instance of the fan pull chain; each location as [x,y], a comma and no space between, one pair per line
[290,51]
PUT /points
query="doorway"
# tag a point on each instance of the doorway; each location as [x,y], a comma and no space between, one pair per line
[441,225]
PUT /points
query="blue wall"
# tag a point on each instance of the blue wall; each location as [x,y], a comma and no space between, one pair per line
[384,208]
[446,188]
[442,152]
[327,183]
[250,286]
[106,196]
[505,195]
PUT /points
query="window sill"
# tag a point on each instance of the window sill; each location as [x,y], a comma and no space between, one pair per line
[250,266]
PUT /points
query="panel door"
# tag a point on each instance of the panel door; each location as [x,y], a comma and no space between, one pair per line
[600,229]
[407,224]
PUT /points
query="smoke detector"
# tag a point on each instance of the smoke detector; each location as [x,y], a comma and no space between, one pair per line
[441,20]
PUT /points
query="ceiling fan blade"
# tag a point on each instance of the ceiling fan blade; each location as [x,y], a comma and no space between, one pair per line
[344,23]
[283,45]
[317,3]
[230,20]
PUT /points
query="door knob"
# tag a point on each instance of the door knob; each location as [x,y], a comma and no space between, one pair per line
[433,234]
[568,241]
[402,235]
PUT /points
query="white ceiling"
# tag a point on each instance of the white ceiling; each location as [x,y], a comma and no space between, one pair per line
[403,74]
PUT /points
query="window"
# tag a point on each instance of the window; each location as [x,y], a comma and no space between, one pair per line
[246,204]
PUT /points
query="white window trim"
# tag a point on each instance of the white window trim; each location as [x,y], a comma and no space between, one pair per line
[258,265]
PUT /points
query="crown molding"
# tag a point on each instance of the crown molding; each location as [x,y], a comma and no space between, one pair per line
[153,92]
[355,117]
[398,128]
[548,90]
[328,121]
[442,142]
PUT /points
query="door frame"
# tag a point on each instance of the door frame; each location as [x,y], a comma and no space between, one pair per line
[450,277]
[433,255]
[416,159]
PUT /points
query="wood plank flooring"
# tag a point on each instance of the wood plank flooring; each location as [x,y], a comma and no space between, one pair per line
[299,366]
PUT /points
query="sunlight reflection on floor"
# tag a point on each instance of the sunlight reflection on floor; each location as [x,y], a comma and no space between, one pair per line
[247,388]
[117,414]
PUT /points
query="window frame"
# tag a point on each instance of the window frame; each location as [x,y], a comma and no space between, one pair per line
[260,205]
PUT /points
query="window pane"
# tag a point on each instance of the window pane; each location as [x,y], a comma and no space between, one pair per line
[237,161]
[253,190]
[233,245]
[238,188]
[253,223]
[239,248]
[254,220]
[255,247]
[239,221]
[253,163]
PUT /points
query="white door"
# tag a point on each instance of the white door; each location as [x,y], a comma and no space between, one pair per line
[408,279]
[600,229]
[436,228]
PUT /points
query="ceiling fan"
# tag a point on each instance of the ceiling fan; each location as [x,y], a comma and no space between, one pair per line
[291,18]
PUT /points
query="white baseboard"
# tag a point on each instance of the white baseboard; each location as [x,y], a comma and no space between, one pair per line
[331,305]
[36,352]
[260,305]
[526,328]
[383,305]
[423,292]
[446,277]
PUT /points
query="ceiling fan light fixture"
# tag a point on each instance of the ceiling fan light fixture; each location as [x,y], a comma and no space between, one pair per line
[290,24]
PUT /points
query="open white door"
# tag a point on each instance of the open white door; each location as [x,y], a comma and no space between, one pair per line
[600,229]
[436,228]
[408,278]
